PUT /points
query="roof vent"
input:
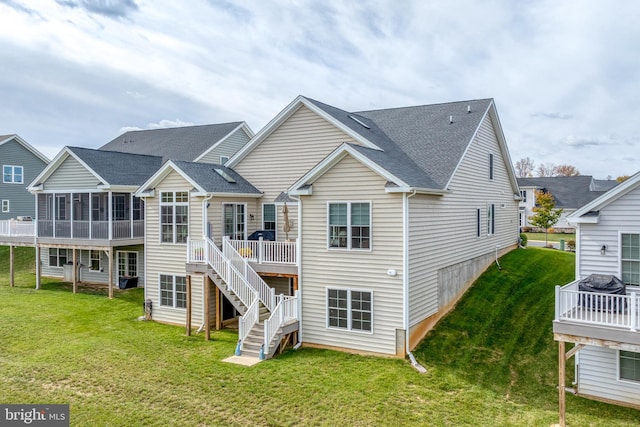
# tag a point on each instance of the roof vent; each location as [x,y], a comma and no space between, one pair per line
[225,175]
[450,119]
[358,121]
[468,109]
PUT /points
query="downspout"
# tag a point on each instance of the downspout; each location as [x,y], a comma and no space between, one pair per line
[299,258]
[405,280]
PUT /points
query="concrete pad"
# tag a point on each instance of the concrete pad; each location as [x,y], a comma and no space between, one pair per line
[242,360]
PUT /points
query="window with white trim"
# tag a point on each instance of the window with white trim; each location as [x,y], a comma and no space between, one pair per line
[350,309]
[5,206]
[269,217]
[491,219]
[12,174]
[57,257]
[173,291]
[629,365]
[630,259]
[94,260]
[523,194]
[174,216]
[349,225]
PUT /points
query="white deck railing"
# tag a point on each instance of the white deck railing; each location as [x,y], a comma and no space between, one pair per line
[286,310]
[248,321]
[620,311]
[266,251]
[265,292]
[13,228]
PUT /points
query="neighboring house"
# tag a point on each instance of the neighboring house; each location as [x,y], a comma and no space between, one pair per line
[569,192]
[20,164]
[86,212]
[605,328]
[382,219]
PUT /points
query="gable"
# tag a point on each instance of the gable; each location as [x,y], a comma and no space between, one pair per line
[228,147]
[292,149]
[71,174]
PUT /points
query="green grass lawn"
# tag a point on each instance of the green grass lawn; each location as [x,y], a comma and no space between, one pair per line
[551,237]
[492,361]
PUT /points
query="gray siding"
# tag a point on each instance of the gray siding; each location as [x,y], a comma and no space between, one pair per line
[21,202]
[70,175]
[597,376]
[620,216]
[358,270]
[444,252]
[227,148]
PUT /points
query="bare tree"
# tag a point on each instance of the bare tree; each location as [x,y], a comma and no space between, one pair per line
[565,170]
[546,170]
[524,167]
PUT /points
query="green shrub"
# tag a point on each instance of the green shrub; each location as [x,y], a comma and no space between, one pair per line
[523,239]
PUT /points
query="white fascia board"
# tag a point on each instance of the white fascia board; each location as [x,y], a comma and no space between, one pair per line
[307,191]
[332,159]
[417,190]
[161,173]
[243,126]
[119,188]
[591,219]
[608,197]
[239,195]
[282,117]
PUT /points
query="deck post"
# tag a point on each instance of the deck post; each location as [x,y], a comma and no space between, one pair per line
[188,319]
[38,267]
[74,277]
[218,310]
[110,255]
[11,266]
[561,379]
[632,311]
[207,291]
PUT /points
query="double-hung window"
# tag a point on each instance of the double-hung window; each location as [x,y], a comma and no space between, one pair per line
[349,225]
[174,216]
[94,260]
[173,291]
[350,309]
[629,365]
[630,259]
[5,206]
[12,174]
[57,257]
[269,217]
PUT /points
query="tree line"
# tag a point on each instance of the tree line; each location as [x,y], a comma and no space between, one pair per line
[526,167]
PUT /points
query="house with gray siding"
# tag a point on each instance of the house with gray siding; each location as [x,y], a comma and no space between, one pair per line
[604,328]
[86,214]
[569,193]
[20,164]
[362,207]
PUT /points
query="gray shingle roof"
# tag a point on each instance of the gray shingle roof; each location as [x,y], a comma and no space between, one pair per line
[570,192]
[420,145]
[119,168]
[181,143]
[211,181]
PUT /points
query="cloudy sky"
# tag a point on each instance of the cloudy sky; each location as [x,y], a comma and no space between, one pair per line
[565,75]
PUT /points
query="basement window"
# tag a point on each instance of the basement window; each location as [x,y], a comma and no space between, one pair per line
[629,365]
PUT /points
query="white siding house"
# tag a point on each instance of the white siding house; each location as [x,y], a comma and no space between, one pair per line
[607,363]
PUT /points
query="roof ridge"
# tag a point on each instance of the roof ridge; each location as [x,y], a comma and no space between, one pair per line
[181,127]
[424,105]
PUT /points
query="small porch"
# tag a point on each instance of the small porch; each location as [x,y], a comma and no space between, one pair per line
[585,318]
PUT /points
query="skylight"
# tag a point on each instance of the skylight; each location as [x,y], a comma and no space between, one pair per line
[225,175]
[358,121]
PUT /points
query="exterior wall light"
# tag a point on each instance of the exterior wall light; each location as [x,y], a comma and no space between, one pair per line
[603,250]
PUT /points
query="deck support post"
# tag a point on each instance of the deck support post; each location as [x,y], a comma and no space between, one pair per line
[11,266]
[218,310]
[207,291]
[74,275]
[38,267]
[188,319]
[110,256]
[561,379]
